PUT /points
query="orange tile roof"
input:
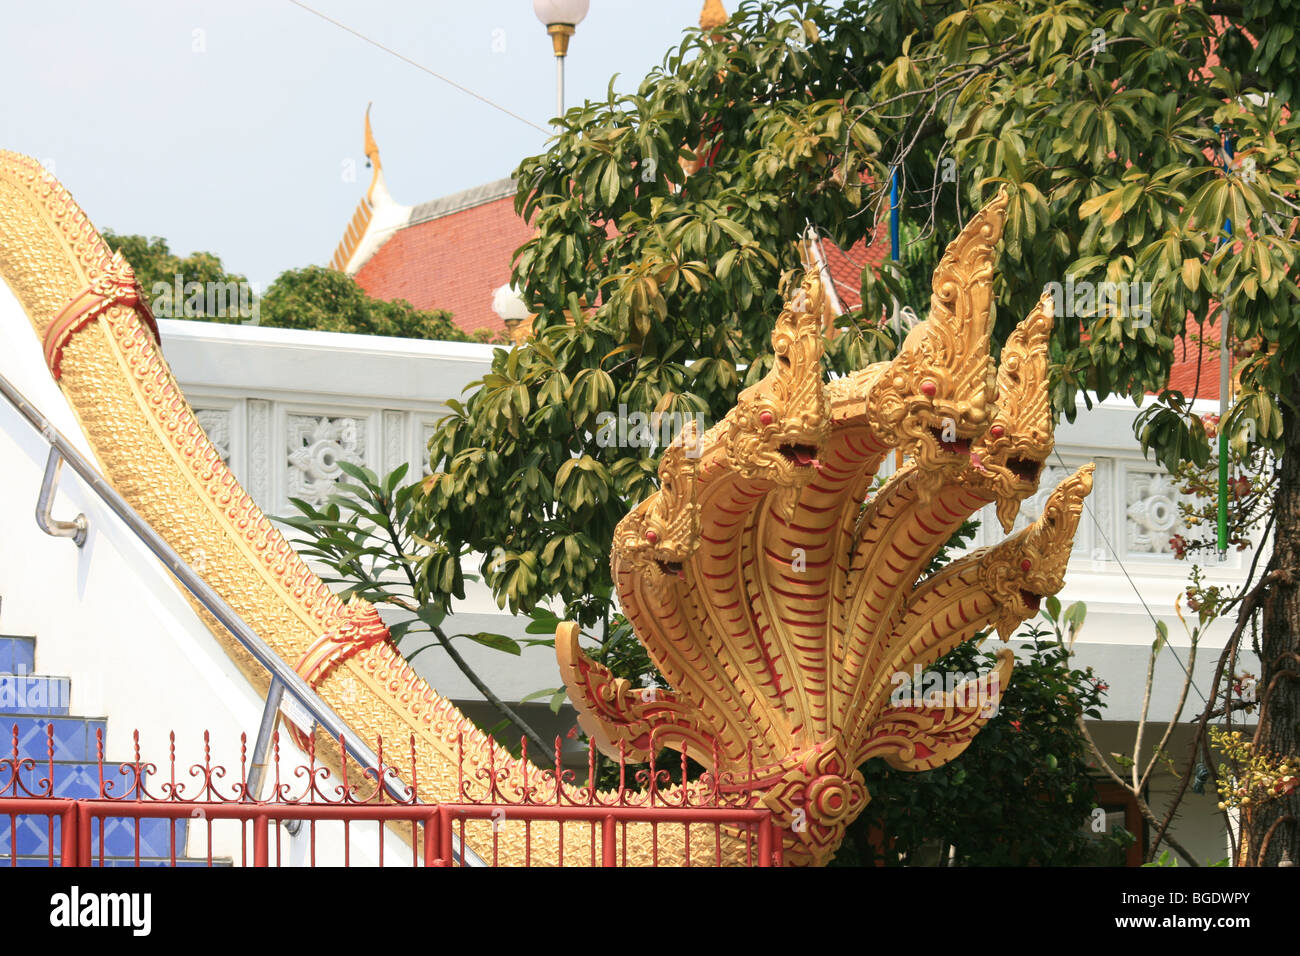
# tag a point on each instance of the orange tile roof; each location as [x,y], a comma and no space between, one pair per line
[453,261]
[846,266]
[1189,354]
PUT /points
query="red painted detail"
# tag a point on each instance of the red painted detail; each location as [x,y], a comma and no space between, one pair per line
[838,471]
[893,546]
[960,516]
[793,595]
[928,529]
[818,612]
[863,450]
[798,527]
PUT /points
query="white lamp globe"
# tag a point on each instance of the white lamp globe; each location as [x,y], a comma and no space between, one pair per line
[571,12]
[508,305]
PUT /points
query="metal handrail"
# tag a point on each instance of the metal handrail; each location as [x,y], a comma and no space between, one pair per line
[283,677]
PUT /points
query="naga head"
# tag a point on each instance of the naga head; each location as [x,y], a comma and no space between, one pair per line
[780,426]
[1019,439]
[938,395]
[659,535]
[1024,569]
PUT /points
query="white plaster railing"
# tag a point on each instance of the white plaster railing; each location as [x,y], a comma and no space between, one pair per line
[286,406]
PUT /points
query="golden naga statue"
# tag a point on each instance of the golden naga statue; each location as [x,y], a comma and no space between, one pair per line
[780,598]
[776,593]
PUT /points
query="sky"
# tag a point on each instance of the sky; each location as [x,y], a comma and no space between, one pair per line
[235,126]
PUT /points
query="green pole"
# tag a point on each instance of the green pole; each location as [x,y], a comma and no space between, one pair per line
[1225,385]
[1225,390]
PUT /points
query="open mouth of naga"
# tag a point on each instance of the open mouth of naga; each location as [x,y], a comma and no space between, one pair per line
[1031,599]
[801,456]
[671,568]
[958,445]
[1026,469]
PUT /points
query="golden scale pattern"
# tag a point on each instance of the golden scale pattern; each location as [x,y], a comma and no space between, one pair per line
[807,711]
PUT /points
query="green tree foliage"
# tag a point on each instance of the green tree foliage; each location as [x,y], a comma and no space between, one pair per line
[363,535]
[330,301]
[310,298]
[158,269]
[1020,795]
[1085,111]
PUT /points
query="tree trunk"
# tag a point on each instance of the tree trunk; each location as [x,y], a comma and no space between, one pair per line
[1279,680]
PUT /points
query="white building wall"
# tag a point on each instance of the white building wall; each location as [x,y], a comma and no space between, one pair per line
[109,616]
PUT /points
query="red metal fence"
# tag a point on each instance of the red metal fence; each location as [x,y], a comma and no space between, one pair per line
[106,813]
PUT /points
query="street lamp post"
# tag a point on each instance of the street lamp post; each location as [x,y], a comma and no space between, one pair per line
[560,17]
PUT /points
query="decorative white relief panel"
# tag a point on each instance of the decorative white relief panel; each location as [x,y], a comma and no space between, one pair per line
[215,423]
[257,482]
[396,448]
[1151,511]
[316,446]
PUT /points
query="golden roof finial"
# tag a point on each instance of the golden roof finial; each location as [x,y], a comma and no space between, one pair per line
[713,15]
[356,230]
[371,148]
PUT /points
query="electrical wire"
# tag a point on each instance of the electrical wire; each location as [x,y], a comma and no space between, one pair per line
[1120,561]
[406,59]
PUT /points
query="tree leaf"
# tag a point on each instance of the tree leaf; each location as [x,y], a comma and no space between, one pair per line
[497,642]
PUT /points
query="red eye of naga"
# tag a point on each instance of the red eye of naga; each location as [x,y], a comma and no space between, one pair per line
[929,389]
[765,417]
[652,538]
[1025,565]
[996,431]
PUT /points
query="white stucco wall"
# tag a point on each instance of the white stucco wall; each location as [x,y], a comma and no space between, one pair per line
[108,615]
